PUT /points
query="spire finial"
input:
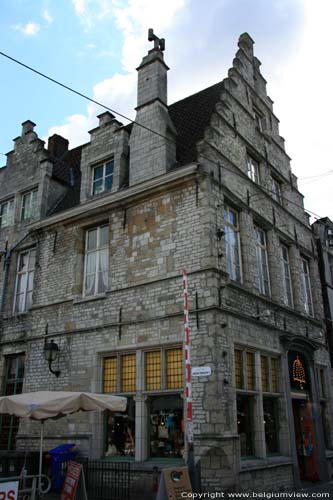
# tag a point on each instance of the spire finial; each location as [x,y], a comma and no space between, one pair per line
[159,43]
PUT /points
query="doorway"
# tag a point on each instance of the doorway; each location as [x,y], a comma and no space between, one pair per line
[305,440]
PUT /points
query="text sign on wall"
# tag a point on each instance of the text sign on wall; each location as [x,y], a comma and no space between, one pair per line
[74,483]
[201,371]
[9,491]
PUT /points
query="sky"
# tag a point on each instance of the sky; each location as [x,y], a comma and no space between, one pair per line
[95,46]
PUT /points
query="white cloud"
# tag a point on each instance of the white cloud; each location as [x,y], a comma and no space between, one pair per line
[47,16]
[29,29]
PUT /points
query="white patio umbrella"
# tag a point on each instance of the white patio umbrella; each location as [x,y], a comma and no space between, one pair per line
[51,404]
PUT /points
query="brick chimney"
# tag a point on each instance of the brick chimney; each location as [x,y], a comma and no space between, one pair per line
[151,154]
[57,145]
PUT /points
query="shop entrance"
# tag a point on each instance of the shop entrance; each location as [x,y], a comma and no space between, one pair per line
[305,440]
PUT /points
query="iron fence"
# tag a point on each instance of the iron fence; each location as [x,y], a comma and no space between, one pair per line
[106,480]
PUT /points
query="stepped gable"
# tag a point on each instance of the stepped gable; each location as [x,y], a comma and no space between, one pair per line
[191,116]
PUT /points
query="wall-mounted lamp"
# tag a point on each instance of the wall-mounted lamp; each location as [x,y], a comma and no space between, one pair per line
[51,353]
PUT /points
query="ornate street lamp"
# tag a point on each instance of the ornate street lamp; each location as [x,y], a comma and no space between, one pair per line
[51,353]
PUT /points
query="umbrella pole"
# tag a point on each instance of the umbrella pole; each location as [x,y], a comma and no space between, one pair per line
[41,456]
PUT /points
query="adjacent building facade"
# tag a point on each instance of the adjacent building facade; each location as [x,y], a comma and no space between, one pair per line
[93,241]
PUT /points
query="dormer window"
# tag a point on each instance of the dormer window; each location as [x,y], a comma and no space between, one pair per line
[6,213]
[29,205]
[253,169]
[102,177]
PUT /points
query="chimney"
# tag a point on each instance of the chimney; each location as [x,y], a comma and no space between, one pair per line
[57,145]
[152,154]
[27,127]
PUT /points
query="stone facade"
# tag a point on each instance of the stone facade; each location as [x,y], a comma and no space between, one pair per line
[214,194]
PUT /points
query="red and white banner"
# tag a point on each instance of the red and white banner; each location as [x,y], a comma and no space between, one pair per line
[188,381]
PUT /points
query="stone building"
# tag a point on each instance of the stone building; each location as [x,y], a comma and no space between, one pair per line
[93,241]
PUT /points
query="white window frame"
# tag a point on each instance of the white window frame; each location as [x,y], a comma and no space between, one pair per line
[286,275]
[253,171]
[306,284]
[6,219]
[232,242]
[262,262]
[276,191]
[104,177]
[30,270]
[97,251]
[29,209]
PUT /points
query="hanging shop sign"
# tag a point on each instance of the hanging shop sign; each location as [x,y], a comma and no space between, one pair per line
[201,371]
[299,373]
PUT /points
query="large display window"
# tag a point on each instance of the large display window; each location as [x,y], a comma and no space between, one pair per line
[166,426]
[120,432]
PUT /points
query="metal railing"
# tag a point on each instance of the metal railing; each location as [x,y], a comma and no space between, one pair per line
[30,486]
[106,480]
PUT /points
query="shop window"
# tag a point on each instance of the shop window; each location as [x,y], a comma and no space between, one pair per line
[120,373]
[245,424]
[96,263]
[166,426]
[13,383]
[120,435]
[270,407]
[164,369]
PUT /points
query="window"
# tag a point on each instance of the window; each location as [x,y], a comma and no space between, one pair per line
[276,191]
[232,244]
[120,373]
[29,205]
[306,284]
[102,177]
[253,169]
[324,412]
[13,383]
[6,213]
[164,369]
[262,261]
[96,265]
[287,287]
[24,280]
[248,424]
[258,119]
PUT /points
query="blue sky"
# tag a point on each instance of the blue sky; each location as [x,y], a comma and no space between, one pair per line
[94,46]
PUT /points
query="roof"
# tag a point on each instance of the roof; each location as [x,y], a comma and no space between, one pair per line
[191,116]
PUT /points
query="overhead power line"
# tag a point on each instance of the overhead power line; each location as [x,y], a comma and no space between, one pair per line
[80,94]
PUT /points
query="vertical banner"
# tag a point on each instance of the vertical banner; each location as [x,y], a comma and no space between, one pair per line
[188,381]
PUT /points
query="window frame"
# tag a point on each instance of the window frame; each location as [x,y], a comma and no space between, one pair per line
[32,210]
[233,251]
[263,282]
[253,169]
[17,279]
[97,250]
[104,176]
[306,285]
[10,213]
[286,277]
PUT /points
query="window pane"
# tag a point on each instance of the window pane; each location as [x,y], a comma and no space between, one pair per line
[245,424]
[166,426]
[98,172]
[98,186]
[238,369]
[250,370]
[108,183]
[92,239]
[102,282]
[32,259]
[30,281]
[264,373]
[23,262]
[103,236]
[120,435]
[109,168]
[274,367]
[28,301]
[110,374]
[174,368]
[153,370]
[128,373]
[271,425]
[89,288]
